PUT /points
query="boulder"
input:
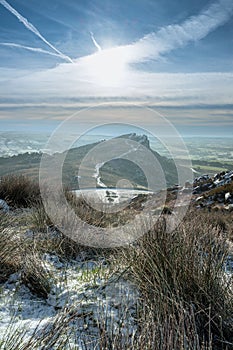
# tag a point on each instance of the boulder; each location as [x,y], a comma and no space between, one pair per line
[227,196]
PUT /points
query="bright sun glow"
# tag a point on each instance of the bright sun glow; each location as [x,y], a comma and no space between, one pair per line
[108,67]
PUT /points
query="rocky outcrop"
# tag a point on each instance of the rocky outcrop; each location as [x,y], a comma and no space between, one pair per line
[142,139]
[209,192]
[216,192]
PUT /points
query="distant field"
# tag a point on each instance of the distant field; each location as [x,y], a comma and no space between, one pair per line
[209,169]
[210,149]
[208,155]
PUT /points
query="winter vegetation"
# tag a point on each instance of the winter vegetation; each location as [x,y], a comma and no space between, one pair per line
[167,290]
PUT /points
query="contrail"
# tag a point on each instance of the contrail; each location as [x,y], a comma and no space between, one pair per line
[29,48]
[95,42]
[33,29]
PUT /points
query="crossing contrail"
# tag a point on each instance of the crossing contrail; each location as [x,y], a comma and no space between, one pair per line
[33,29]
[29,48]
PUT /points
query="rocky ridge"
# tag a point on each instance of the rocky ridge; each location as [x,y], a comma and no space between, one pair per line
[214,192]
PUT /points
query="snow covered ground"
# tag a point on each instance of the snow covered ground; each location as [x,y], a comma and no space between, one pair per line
[98,299]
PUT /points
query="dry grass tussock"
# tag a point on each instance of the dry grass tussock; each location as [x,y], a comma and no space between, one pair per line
[19,191]
[181,277]
[19,255]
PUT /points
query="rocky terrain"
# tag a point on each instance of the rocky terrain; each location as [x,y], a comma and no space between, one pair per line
[214,192]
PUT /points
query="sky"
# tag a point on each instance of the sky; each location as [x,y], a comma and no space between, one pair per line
[60,57]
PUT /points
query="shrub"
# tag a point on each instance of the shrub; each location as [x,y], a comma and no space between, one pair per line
[39,220]
[18,254]
[19,190]
[35,276]
[10,257]
[181,278]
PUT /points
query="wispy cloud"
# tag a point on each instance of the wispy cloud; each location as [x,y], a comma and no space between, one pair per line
[33,29]
[171,37]
[100,66]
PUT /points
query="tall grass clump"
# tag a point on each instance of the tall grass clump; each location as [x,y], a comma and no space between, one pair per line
[35,276]
[181,278]
[19,191]
[10,257]
[19,255]
[53,335]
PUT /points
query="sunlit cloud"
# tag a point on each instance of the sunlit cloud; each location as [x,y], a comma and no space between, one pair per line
[113,66]
[69,81]
[110,74]
[169,38]
[174,36]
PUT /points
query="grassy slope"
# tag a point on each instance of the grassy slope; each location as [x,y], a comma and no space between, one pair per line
[111,172]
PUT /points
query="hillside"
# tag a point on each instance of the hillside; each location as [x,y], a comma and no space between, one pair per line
[110,173]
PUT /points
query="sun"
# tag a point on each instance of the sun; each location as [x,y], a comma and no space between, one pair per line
[107,67]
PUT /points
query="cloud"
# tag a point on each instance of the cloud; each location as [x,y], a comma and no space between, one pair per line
[171,37]
[112,67]
[65,83]
[79,81]
[33,29]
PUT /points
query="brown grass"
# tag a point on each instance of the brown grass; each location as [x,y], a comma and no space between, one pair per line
[99,218]
[185,296]
[19,191]
[180,275]
[18,254]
